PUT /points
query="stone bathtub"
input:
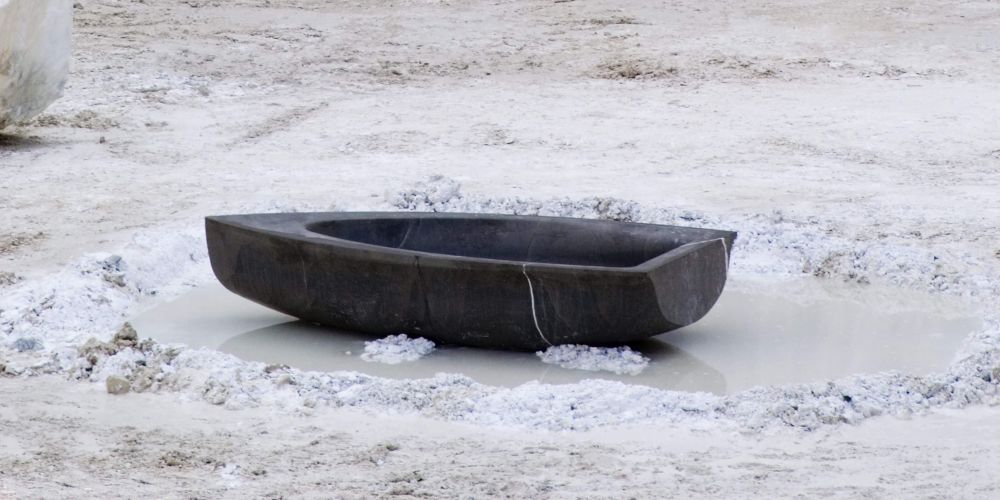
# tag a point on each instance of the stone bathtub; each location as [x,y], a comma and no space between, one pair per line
[498,281]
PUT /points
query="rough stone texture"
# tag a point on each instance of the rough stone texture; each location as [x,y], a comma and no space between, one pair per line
[35,42]
[118,385]
[511,282]
[126,336]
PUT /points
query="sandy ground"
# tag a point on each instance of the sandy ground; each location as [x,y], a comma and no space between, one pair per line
[65,440]
[880,115]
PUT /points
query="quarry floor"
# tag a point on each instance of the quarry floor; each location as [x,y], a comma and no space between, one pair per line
[880,115]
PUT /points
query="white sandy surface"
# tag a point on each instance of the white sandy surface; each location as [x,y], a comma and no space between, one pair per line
[846,140]
[73,441]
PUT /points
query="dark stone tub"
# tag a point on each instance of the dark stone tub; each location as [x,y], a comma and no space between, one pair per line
[509,282]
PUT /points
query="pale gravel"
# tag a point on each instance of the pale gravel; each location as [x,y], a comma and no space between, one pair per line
[395,349]
[621,360]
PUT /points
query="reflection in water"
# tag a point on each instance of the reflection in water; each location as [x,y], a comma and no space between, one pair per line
[312,347]
[772,338]
[756,335]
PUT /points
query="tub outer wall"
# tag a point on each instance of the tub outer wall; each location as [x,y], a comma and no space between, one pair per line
[275,261]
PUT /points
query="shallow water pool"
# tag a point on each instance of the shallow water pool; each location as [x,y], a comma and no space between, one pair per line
[803,330]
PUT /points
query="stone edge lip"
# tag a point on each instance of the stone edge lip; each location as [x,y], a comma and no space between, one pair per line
[295,226]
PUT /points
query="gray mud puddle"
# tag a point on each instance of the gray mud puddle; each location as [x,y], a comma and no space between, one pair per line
[804,330]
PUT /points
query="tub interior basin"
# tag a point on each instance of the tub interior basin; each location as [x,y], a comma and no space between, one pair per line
[535,239]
